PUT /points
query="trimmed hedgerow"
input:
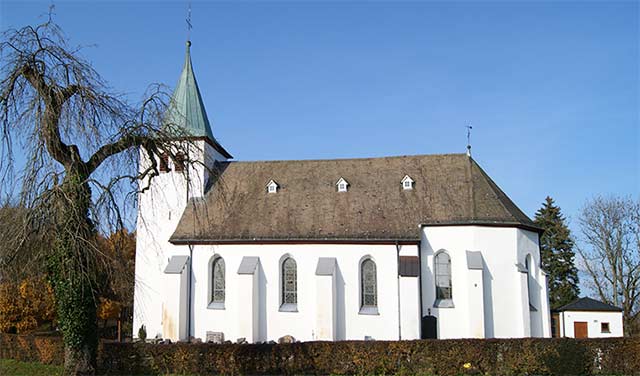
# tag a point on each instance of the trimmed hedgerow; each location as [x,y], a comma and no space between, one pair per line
[28,348]
[619,356]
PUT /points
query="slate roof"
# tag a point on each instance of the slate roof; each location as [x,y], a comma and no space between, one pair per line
[449,189]
[186,115]
[587,304]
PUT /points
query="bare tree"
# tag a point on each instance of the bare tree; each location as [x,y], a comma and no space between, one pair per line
[610,229]
[81,145]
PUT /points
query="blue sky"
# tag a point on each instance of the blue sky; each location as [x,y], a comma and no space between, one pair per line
[551,88]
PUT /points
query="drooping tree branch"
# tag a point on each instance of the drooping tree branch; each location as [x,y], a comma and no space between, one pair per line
[81,144]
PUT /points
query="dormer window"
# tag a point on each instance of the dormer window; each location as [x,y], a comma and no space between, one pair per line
[407,182]
[272,187]
[342,185]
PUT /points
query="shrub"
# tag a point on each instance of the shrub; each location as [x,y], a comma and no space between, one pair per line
[142,333]
[558,356]
[29,348]
[25,305]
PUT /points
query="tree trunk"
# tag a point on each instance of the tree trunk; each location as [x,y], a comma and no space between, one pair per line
[71,268]
[79,361]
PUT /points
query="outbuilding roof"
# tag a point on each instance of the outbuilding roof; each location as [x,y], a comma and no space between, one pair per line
[588,304]
[449,189]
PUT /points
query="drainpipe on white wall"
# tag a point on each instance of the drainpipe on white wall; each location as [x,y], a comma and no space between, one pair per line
[190,252]
[420,286]
[189,293]
[398,276]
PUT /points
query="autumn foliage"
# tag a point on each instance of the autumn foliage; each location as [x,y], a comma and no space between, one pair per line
[25,305]
[27,302]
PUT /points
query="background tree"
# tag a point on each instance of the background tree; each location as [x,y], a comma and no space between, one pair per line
[25,305]
[556,248]
[26,298]
[610,229]
[81,144]
[116,299]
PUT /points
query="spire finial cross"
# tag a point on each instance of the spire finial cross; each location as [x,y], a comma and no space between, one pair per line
[469,128]
[189,26]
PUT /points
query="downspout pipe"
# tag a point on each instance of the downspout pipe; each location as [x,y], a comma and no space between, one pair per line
[190,276]
[399,313]
[189,303]
[420,289]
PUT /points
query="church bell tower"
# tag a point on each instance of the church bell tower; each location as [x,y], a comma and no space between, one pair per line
[182,177]
[187,120]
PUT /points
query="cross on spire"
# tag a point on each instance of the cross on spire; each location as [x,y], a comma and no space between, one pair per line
[188,19]
[469,128]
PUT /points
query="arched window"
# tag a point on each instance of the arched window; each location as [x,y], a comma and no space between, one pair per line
[443,276]
[217,280]
[164,162]
[529,265]
[368,284]
[179,165]
[289,282]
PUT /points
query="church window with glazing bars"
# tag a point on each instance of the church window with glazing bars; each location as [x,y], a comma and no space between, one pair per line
[443,276]
[289,281]
[369,294]
[218,283]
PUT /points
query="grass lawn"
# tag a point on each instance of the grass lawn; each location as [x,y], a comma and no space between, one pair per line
[14,367]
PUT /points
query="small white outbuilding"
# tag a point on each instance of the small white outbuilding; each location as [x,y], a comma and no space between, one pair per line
[587,318]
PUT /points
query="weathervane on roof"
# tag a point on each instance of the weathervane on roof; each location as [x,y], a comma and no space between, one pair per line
[469,128]
[189,26]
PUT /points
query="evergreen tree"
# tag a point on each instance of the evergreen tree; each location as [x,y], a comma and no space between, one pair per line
[556,248]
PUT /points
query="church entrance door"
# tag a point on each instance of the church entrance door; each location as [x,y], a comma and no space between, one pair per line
[429,327]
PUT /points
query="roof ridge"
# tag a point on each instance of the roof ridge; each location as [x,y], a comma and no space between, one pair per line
[472,188]
[593,305]
[501,195]
[348,159]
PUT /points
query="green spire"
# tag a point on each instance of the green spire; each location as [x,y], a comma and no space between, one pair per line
[186,110]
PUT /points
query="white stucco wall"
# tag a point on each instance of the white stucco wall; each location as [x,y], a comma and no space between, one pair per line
[539,319]
[247,321]
[273,323]
[326,307]
[475,287]
[410,307]
[159,210]
[594,319]
[175,306]
[505,305]
[410,319]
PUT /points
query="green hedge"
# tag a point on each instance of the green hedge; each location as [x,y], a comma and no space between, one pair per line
[612,356]
[27,348]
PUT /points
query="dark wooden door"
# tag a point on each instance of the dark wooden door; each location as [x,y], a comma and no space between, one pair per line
[429,327]
[555,325]
[580,330]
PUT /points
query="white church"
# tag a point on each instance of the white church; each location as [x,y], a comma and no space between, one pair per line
[393,248]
